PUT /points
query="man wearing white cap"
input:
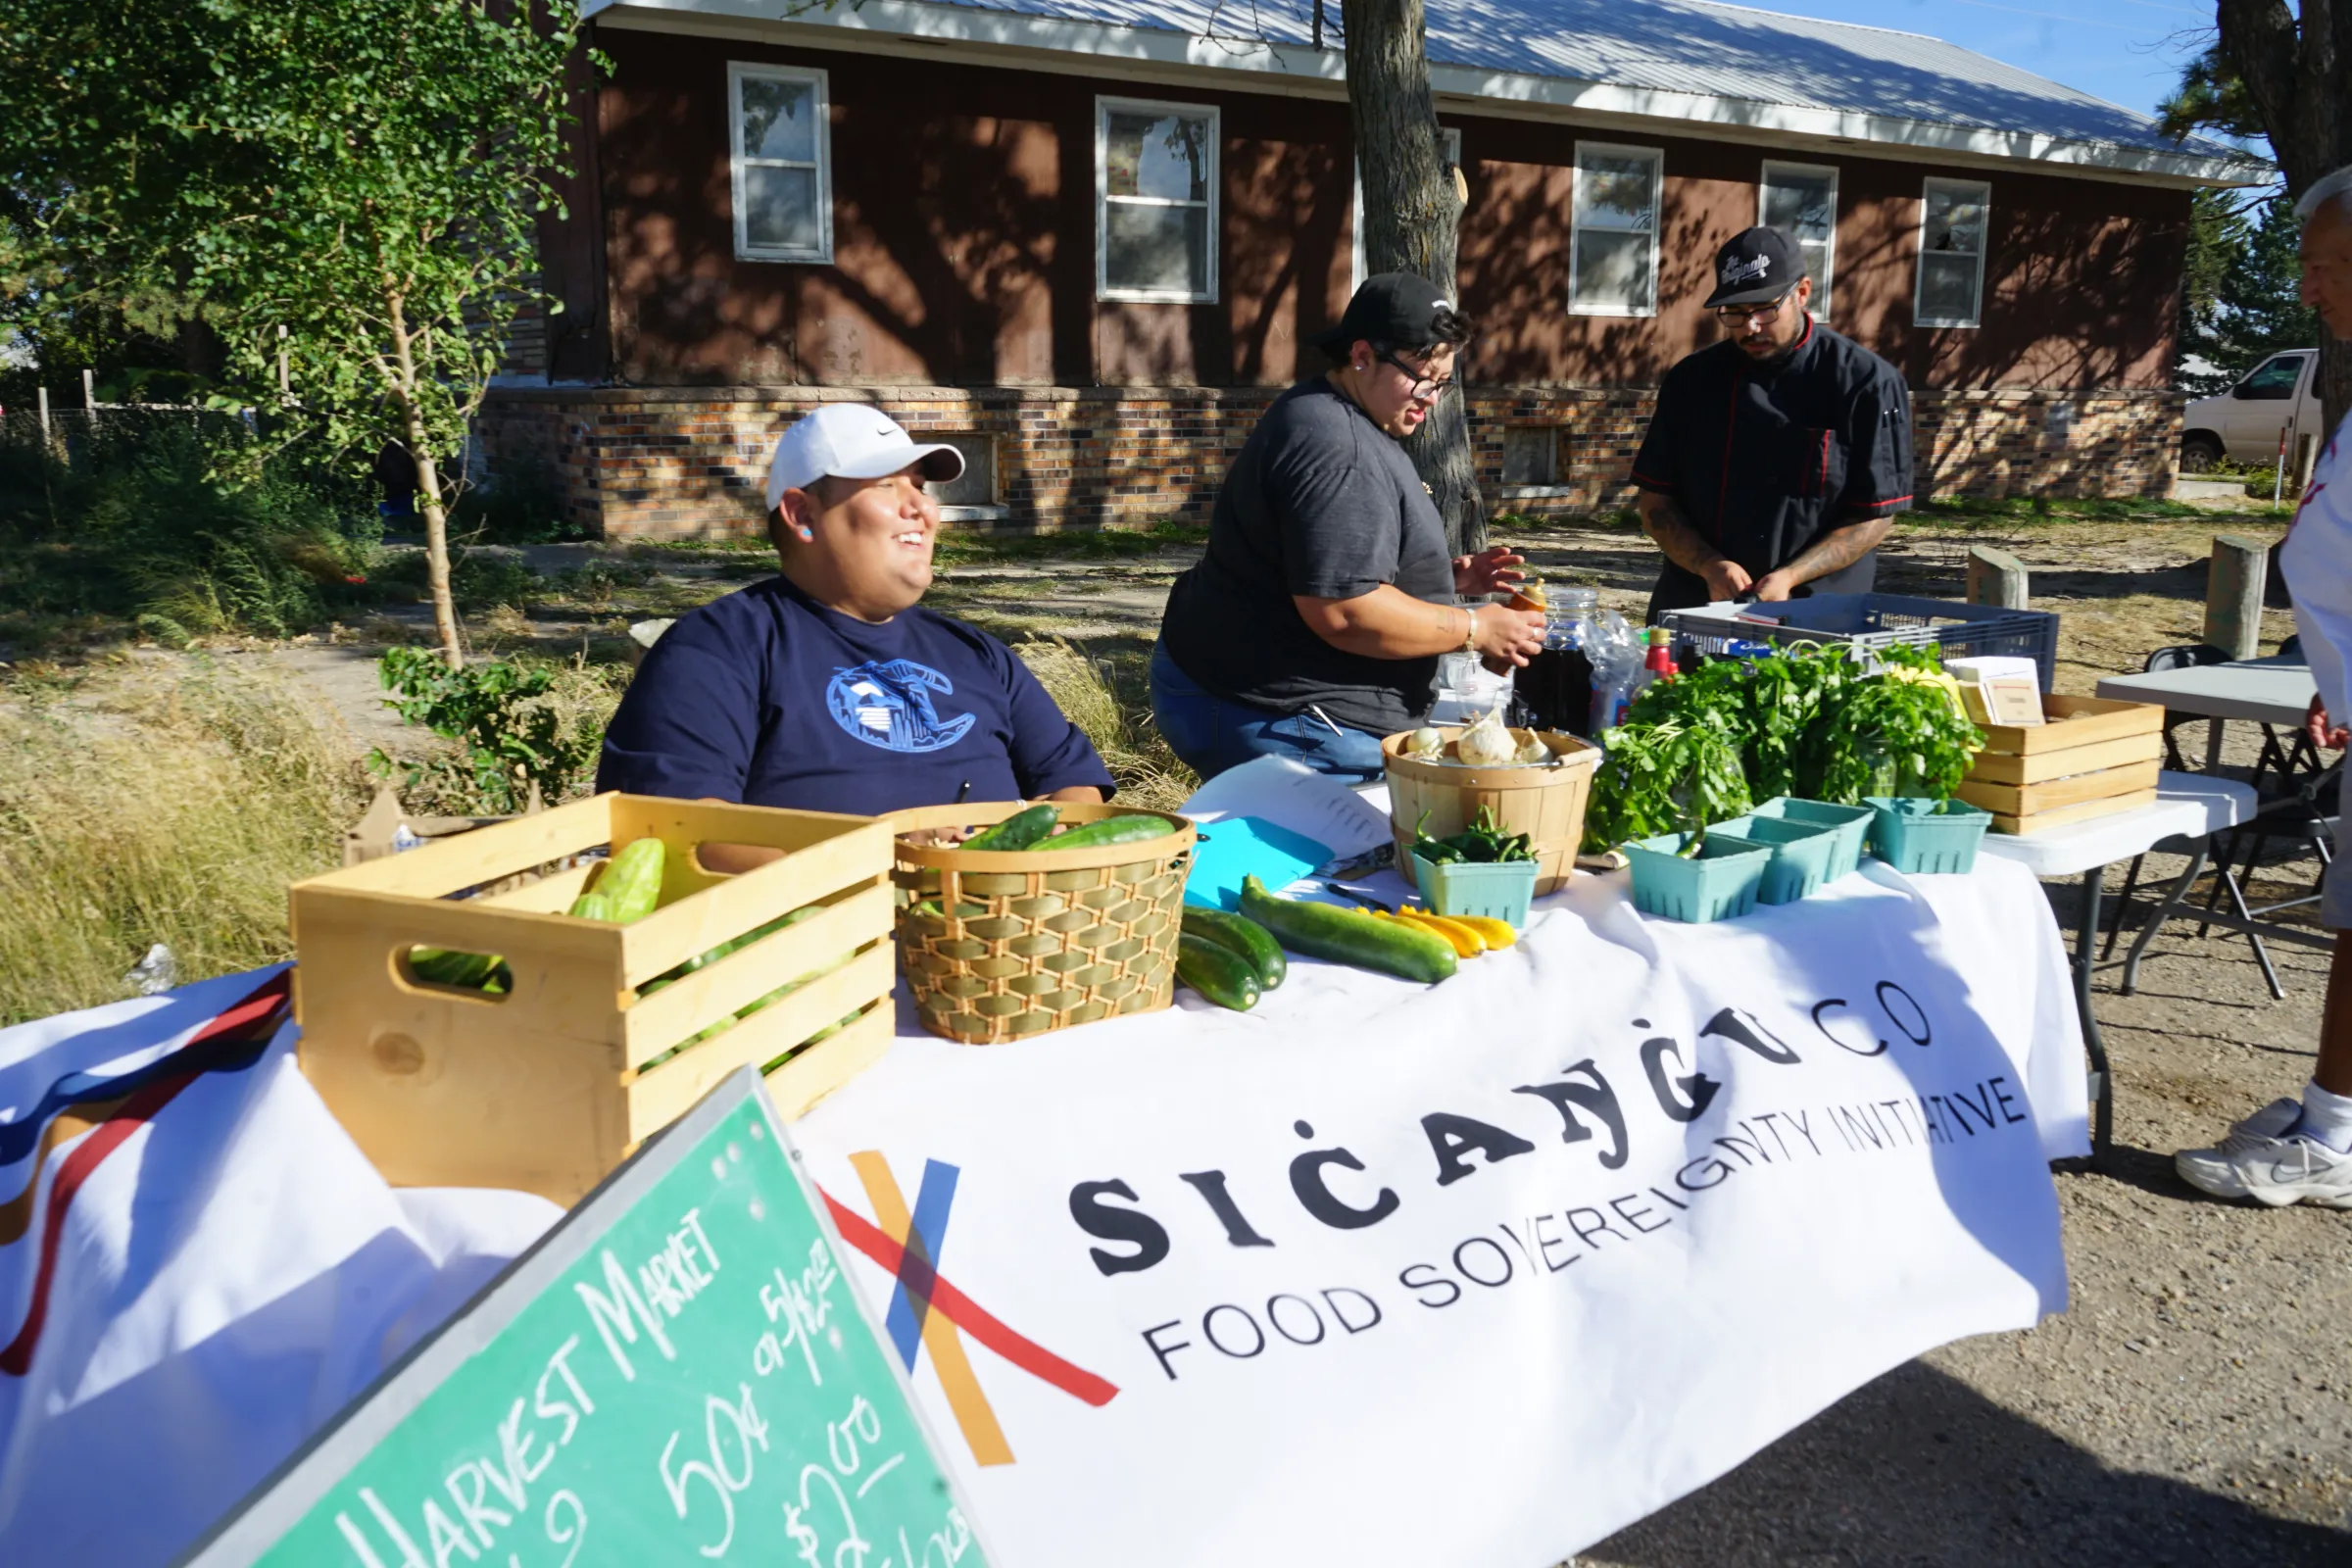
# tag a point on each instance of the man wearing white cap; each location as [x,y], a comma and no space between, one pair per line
[828,688]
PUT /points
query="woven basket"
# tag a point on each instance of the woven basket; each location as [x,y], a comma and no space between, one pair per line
[1546,803]
[1032,940]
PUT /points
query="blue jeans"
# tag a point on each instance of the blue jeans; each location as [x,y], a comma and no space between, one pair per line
[1212,734]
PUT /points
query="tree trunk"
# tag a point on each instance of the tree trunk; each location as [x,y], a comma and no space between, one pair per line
[428,485]
[2299,73]
[1412,216]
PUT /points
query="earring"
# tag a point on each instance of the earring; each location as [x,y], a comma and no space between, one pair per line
[807,535]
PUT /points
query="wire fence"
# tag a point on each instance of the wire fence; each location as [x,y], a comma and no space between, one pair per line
[71,436]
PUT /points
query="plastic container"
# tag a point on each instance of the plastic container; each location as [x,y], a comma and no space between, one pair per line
[1718,884]
[1801,853]
[1499,890]
[1876,620]
[1918,835]
[1852,824]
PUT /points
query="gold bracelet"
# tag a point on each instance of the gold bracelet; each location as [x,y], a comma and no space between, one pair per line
[1469,630]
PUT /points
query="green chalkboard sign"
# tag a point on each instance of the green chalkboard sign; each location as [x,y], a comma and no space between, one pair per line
[678,1372]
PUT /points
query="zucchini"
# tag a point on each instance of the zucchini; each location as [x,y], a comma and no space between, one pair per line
[1243,935]
[1220,973]
[1350,936]
[1019,831]
[632,880]
[1110,830]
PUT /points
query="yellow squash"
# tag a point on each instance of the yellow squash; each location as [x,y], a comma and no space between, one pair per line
[1466,943]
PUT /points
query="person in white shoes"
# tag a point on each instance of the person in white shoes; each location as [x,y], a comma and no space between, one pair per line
[2300,1152]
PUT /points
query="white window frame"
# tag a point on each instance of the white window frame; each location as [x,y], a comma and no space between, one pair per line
[1450,147]
[1657,205]
[1823,286]
[1104,108]
[1919,274]
[738,72]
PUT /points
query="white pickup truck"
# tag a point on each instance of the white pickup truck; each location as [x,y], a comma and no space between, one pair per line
[2246,422]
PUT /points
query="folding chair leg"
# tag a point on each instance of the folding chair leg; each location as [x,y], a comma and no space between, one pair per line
[2122,903]
[2262,955]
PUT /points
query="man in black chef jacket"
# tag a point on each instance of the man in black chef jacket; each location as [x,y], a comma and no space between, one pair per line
[1778,458]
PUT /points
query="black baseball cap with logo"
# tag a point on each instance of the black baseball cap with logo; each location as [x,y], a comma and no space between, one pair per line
[1756,267]
[1396,308]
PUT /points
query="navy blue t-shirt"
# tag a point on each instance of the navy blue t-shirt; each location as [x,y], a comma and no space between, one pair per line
[769,698]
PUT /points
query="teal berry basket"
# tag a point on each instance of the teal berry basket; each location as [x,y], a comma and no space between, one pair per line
[1851,822]
[1719,883]
[1917,835]
[1498,890]
[1802,854]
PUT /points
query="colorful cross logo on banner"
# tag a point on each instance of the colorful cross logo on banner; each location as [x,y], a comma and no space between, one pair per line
[927,1310]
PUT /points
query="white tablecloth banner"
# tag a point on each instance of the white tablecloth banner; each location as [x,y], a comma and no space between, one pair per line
[1378,1273]
[1478,1273]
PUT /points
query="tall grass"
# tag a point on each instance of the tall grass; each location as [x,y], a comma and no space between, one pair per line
[1145,770]
[175,810]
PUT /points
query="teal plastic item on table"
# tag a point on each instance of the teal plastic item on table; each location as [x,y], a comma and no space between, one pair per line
[1801,853]
[1852,823]
[1235,847]
[1718,884]
[1917,835]
[1499,890]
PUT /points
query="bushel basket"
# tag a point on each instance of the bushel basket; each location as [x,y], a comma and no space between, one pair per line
[1000,944]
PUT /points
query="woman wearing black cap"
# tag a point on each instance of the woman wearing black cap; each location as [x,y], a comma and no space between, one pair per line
[1312,627]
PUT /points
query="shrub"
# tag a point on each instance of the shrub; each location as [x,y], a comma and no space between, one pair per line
[519,724]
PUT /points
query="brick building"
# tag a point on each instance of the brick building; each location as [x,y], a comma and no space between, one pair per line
[1085,239]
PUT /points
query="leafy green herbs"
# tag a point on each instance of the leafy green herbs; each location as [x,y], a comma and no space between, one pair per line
[1806,721]
[1663,777]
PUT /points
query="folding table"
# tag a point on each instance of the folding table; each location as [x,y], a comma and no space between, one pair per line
[2271,692]
[2187,810]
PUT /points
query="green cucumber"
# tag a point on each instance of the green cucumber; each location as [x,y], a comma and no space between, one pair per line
[1110,830]
[1222,975]
[632,880]
[1350,936]
[591,907]
[1019,831]
[1242,935]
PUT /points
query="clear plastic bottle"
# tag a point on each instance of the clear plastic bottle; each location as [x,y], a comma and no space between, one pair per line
[1659,664]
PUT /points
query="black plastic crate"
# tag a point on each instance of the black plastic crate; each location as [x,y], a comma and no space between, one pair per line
[1956,629]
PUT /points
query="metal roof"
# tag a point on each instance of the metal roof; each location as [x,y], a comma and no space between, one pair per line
[1695,47]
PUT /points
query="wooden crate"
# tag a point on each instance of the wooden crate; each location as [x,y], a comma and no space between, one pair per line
[550,1086]
[2091,757]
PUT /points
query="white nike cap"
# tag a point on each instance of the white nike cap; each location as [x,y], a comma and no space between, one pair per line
[852,441]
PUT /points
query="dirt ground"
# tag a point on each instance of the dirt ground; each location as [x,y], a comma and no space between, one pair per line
[2194,1406]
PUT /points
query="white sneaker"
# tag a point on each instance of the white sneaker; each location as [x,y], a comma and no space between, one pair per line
[2256,1160]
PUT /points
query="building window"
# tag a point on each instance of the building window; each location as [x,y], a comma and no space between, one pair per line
[1449,148]
[1530,455]
[1613,243]
[1952,220]
[1800,200]
[782,164]
[1156,200]
[978,485]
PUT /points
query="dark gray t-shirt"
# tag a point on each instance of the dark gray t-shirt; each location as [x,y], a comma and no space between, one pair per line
[1320,504]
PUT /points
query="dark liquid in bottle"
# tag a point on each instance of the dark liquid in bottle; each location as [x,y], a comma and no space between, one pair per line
[1557,688]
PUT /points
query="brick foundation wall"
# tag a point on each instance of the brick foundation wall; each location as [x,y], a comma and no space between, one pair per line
[684,462]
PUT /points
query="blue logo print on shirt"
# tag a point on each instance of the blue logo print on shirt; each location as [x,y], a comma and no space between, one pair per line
[888,705]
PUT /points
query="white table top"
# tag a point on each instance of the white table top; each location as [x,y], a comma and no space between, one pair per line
[2262,690]
[2187,805]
